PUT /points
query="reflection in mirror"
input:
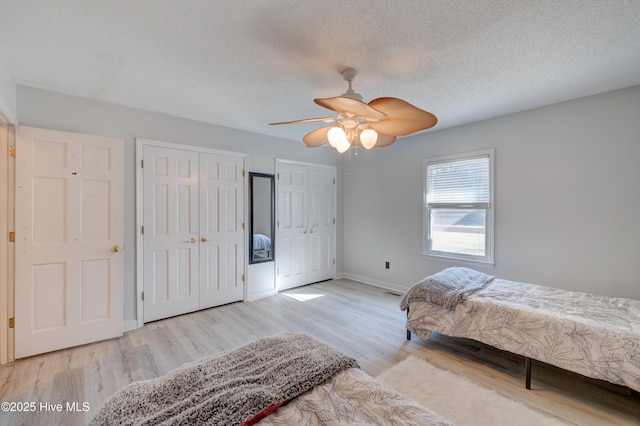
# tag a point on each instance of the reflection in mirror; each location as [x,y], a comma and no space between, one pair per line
[261,222]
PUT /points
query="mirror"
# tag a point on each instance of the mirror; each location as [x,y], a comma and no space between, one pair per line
[261,222]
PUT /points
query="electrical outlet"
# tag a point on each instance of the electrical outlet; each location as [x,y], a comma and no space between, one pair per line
[386,265]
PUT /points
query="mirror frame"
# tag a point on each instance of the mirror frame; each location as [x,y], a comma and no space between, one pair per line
[272,211]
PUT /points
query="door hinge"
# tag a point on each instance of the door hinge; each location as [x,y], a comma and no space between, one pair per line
[242,277]
[12,151]
[334,261]
[278,222]
[142,164]
[12,323]
[334,221]
[142,295]
[12,237]
[243,226]
[142,230]
[243,173]
[278,176]
[334,181]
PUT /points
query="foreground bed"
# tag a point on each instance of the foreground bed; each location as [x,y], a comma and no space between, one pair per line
[592,335]
[288,379]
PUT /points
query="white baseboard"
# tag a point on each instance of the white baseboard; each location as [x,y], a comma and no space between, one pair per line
[397,288]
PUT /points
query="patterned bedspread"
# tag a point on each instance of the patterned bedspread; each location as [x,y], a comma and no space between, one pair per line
[353,397]
[592,335]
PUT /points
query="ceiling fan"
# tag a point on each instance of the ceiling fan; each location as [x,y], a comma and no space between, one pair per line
[377,123]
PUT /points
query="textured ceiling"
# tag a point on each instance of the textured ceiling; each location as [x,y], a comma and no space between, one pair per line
[244,64]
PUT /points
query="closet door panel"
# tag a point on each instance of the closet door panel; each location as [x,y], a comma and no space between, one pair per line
[170,213]
[321,223]
[292,231]
[222,236]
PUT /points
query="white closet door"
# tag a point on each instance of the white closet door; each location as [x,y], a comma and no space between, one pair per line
[68,258]
[291,228]
[321,224]
[222,248]
[170,216]
[305,228]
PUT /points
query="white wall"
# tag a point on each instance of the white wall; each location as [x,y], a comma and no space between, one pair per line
[40,108]
[567,198]
[7,96]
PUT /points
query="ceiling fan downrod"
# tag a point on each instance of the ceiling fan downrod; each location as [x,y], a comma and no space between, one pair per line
[349,75]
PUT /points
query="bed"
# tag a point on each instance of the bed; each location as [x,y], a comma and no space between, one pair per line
[287,379]
[596,336]
[261,246]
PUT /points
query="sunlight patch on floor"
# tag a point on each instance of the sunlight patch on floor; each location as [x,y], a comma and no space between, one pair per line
[302,297]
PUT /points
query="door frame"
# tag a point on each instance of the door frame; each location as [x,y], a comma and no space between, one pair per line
[140,144]
[7,139]
[278,162]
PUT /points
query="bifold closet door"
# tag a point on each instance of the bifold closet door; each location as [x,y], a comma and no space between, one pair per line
[321,224]
[171,232]
[222,253]
[291,226]
[193,240]
[305,227]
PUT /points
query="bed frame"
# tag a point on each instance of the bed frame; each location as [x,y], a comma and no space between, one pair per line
[596,336]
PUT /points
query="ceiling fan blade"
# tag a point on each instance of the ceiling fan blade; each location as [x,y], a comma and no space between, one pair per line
[306,120]
[384,140]
[316,137]
[344,105]
[403,118]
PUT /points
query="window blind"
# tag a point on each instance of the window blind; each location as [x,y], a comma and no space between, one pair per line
[459,181]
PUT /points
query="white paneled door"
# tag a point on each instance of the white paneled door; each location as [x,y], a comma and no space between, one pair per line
[68,257]
[291,226]
[305,226]
[221,229]
[321,220]
[193,234]
[170,217]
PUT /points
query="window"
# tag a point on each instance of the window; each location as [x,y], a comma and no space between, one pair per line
[458,206]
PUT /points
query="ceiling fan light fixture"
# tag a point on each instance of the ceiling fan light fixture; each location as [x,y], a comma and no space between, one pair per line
[368,138]
[344,146]
[374,124]
[336,136]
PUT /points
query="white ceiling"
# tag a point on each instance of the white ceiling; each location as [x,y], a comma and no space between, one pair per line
[244,64]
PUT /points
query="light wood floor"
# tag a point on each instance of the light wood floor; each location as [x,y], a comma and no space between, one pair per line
[361,320]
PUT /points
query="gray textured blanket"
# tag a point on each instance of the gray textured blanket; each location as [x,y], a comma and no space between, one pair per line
[228,388]
[447,288]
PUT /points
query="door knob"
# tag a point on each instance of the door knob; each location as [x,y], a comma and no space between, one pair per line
[311,231]
[115,249]
[192,240]
[305,231]
[203,239]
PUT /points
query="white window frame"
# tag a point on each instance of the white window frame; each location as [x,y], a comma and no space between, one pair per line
[489,209]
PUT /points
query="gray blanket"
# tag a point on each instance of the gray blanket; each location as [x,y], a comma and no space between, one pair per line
[447,288]
[228,388]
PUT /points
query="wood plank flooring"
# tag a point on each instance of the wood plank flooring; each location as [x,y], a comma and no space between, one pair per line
[361,320]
